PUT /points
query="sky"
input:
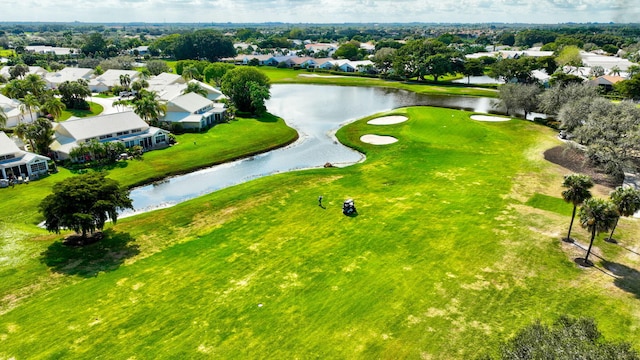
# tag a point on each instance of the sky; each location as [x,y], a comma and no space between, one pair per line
[323,11]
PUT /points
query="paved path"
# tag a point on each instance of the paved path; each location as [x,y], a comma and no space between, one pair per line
[107,105]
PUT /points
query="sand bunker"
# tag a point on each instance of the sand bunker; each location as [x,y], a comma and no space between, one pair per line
[489,118]
[388,120]
[377,139]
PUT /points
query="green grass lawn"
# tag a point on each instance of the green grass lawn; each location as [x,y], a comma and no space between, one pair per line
[444,259]
[94,109]
[6,52]
[286,76]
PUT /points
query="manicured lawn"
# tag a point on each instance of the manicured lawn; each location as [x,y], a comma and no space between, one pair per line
[444,259]
[6,52]
[94,109]
[287,76]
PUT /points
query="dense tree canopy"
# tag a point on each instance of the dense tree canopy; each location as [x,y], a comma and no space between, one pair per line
[205,44]
[419,58]
[566,339]
[84,203]
[247,88]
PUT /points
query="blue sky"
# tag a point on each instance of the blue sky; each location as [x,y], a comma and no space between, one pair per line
[323,11]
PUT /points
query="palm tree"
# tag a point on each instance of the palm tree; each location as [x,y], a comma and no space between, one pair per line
[597,215]
[29,102]
[125,80]
[194,87]
[35,84]
[577,192]
[138,85]
[53,106]
[3,118]
[149,107]
[190,72]
[22,131]
[626,201]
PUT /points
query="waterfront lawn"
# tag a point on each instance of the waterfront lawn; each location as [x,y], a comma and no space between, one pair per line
[290,76]
[443,261]
[94,109]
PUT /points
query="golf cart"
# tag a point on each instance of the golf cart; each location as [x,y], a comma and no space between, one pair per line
[349,207]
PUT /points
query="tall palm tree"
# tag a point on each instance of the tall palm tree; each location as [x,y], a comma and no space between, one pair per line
[3,118]
[190,72]
[577,192]
[138,85]
[597,215]
[30,103]
[194,87]
[626,201]
[125,80]
[149,107]
[53,106]
[35,84]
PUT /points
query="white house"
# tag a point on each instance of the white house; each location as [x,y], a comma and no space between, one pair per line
[193,111]
[54,79]
[170,86]
[126,127]
[16,163]
[111,78]
[44,49]
[212,93]
[15,115]
[4,72]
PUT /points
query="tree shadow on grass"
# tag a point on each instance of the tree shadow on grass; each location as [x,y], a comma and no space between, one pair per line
[91,259]
[627,279]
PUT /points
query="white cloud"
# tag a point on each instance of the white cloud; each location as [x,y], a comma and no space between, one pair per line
[322,11]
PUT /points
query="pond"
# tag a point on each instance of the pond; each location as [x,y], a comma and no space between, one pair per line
[316,112]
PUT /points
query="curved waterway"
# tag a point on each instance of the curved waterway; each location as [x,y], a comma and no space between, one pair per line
[316,112]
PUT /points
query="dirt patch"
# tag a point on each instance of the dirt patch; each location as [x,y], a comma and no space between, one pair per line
[78,240]
[576,161]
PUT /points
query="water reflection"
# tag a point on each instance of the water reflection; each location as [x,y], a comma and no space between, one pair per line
[316,112]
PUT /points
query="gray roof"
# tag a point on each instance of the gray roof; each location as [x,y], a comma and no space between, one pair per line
[7,146]
[92,127]
[191,102]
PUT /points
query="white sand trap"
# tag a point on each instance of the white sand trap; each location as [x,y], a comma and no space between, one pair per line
[489,118]
[377,139]
[388,120]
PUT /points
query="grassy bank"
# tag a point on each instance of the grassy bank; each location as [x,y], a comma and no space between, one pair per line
[290,76]
[455,246]
[94,109]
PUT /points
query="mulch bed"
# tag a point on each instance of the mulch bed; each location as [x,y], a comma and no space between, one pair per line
[575,160]
[77,240]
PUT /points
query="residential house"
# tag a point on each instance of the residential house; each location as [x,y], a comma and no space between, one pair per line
[16,163]
[54,50]
[139,51]
[54,79]
[15,115]
[126,127]
[303,62]
[193,111]
[212,93]
[316,47]
[4,72]
[606,81]
[111,78]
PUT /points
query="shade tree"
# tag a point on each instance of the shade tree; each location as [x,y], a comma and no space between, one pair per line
[247,87]
[84,203]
